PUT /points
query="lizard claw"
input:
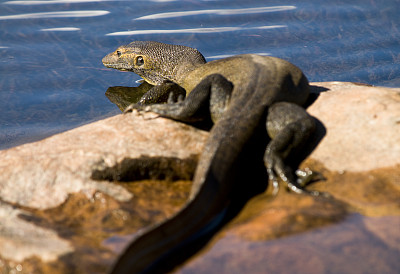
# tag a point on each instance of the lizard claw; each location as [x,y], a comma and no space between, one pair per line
[307,176]
[277,169]
[141,109]
[171,99]
[273,178]
[129,108]
[138,107]
[180,98]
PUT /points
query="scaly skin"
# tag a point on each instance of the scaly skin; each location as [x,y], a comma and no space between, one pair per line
[240,94]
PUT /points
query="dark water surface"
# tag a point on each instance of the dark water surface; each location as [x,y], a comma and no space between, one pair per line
[52,79]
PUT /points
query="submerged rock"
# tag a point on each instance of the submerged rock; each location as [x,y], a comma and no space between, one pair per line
[66,204]
[21,239]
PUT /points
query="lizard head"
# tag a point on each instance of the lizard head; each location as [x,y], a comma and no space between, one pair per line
[153,61]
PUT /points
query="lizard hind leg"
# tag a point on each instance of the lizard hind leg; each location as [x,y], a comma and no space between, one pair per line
[289,127]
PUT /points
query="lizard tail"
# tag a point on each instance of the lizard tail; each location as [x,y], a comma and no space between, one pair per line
[163,247]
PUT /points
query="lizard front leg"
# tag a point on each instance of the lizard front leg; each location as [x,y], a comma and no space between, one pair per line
[162,93]
[289,127]
[208,100]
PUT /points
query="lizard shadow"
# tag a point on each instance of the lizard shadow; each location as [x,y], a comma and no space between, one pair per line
[315,92]
[320,130]
[122,97]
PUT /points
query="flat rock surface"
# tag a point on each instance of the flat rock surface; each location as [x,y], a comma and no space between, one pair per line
[363,126]
[71,202]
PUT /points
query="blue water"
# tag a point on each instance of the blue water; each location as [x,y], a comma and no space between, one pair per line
[52,79]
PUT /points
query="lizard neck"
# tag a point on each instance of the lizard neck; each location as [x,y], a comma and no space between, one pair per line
[181,71]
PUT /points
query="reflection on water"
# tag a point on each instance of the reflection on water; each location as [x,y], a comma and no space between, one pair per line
[196,30]
[122,97]
[57,14]
[216,12]
[61,29]
[229,55]
[213,12]
[49,2]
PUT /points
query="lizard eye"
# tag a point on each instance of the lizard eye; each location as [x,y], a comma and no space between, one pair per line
[119,53]
[139,61]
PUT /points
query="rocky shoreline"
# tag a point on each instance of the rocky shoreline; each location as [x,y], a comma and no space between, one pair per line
[66,204]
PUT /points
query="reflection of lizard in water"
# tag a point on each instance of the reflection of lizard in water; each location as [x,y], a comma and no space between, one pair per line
[254,102]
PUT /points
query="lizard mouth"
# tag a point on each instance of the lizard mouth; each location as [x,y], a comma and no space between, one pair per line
[121,67]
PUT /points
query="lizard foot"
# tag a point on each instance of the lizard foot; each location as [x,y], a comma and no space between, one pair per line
[138,107]
[307,176]
[129,108]
[291,186]
[278,171]
[141,110]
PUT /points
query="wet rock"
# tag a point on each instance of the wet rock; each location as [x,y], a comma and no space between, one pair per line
[21,239]
[353,246]
[43,175]
[372,193]
[75,189]
[291,232]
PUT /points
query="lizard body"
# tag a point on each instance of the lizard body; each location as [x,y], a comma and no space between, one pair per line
[254,102]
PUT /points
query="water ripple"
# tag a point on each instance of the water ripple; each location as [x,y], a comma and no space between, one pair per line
[61,29]
[57,14]
[229,55]
[196,30]
[216,12]
[45,2]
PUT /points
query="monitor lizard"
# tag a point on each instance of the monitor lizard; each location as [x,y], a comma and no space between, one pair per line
[255,104]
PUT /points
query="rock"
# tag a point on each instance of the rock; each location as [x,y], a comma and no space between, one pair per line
[363,126]
[71,192]
[44,174]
